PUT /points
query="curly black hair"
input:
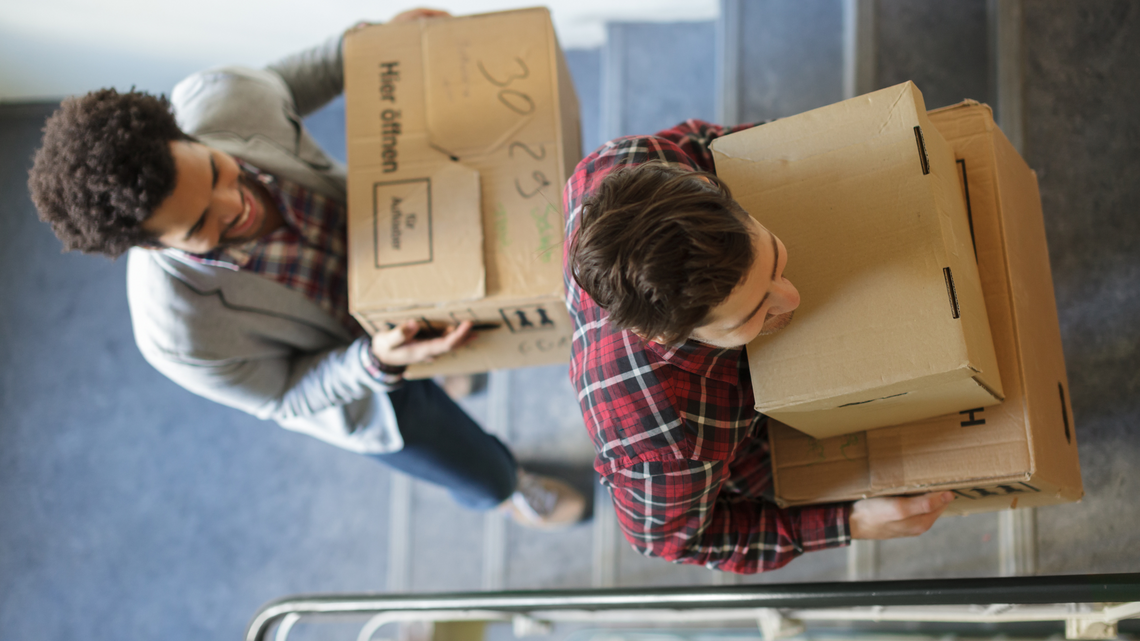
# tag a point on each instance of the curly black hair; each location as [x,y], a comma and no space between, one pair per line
[104,166]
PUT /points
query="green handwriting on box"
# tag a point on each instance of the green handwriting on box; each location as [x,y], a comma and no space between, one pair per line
[817,449]
[501,225]
[548,231]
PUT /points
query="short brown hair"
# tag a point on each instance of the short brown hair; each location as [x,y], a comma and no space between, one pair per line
[104,166]
[658,248]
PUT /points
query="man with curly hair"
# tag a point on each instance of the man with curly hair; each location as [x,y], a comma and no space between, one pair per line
[234,223]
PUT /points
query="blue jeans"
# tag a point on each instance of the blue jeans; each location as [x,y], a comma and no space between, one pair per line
[444,446]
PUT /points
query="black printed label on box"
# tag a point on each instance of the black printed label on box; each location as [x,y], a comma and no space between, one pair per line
[1007,489]
[401,222]
[528,318]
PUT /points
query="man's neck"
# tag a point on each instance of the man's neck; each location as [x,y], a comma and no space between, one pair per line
[273,218]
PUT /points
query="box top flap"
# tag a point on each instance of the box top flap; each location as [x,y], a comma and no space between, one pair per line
[425,245]
[823,130]
[469,68]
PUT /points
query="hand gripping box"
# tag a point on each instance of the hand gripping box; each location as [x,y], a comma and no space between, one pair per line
[892,326]
[461,133]
[1020,453]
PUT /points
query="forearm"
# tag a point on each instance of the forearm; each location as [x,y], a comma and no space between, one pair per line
[685,516]
[328,379]
[275,385]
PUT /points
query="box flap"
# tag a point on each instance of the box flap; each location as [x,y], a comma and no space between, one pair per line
[507,68]
[818,470]
[414,214]
[487,64]
[902,403]
[426,227]
[1054,439]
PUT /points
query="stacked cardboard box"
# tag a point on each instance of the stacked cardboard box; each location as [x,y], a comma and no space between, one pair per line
[892,326]
[1019,453]
[461,134]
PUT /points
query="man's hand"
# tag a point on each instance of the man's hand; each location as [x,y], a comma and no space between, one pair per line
[891,517]
[418,14]
[398,346]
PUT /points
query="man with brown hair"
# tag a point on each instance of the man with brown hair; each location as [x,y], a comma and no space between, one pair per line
[667,278]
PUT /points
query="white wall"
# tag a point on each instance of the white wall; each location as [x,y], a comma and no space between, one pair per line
[53,48]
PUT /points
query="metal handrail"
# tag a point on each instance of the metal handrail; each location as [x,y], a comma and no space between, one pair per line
[1097,588]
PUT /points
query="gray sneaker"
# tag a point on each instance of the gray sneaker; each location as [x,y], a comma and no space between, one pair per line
[544,502]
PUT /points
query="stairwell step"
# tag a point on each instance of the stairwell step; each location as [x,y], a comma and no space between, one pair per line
[656,74]
[941,46]
[787,58]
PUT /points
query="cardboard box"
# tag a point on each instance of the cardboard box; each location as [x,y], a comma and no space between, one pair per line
[892,326]
[1020,453]
[461,133]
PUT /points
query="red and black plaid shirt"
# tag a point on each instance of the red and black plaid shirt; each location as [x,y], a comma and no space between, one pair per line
[678,443]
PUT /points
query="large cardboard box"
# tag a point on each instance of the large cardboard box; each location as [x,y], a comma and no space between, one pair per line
[461,133]
[892,326]
[1020,453]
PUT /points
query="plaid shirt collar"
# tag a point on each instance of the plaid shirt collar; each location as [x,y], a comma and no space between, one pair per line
[718,363]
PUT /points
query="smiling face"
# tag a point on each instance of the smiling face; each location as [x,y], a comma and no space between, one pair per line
[213,203]
[761,304]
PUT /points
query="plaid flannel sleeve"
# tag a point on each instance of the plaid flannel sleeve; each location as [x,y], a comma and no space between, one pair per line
[684,511]
[694,137]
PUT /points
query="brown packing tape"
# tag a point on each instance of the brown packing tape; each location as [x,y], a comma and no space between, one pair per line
[800,450]
[845,481]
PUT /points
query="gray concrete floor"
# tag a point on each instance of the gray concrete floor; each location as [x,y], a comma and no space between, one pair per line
[131,508]
[1083,138]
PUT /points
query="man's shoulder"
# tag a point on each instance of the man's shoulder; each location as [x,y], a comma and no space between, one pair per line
[229,98]
[632,150]
[224,82]
[628,398]
[627,151]
[160,284]
[181,308]
[639,406]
